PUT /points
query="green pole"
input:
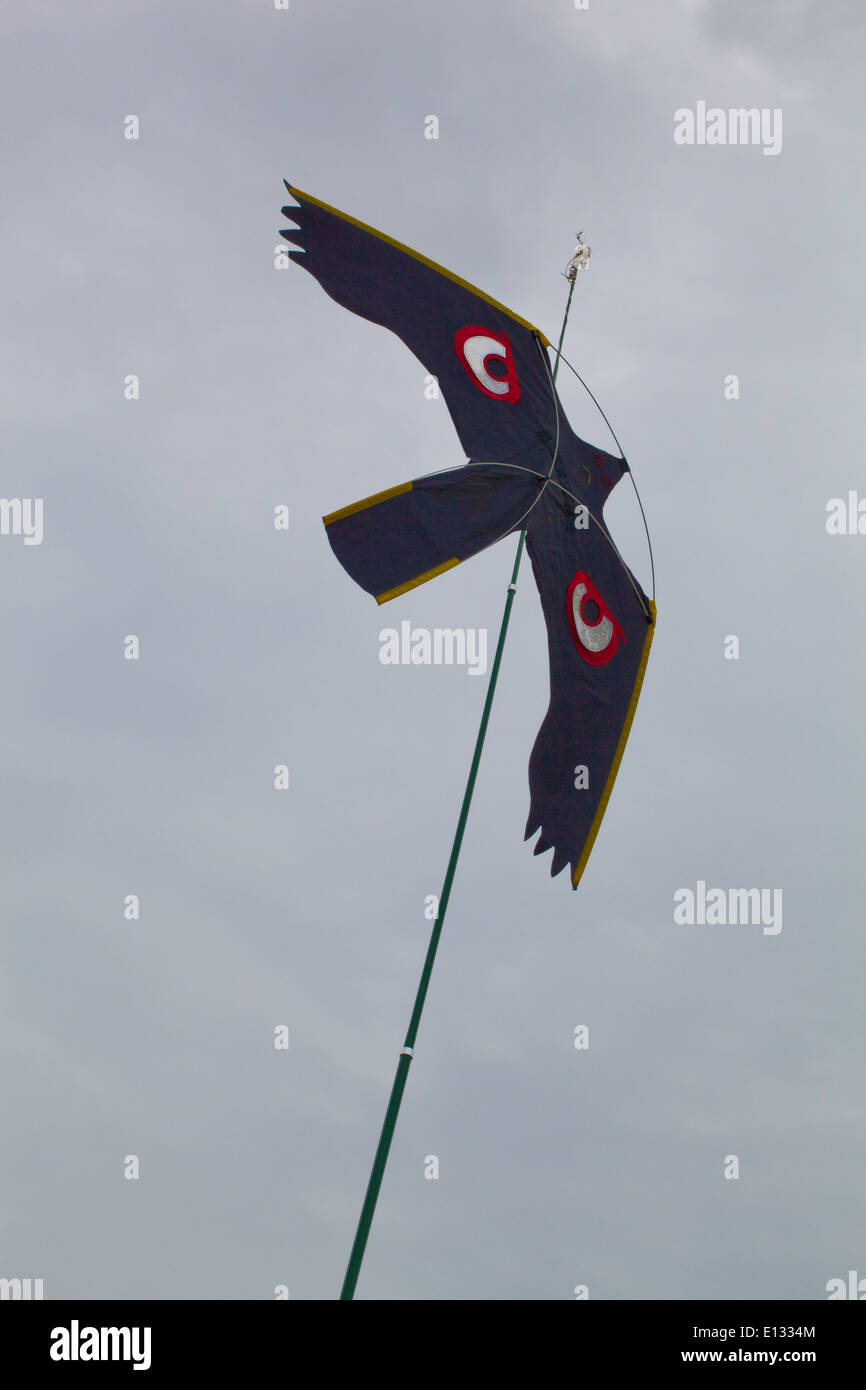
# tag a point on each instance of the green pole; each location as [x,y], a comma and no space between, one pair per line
[366,1220]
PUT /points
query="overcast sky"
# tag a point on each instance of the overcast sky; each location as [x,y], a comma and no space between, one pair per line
[154,1037]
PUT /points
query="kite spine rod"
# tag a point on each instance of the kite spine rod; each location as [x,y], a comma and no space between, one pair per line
[405,1059]
[548,481]
[560,358]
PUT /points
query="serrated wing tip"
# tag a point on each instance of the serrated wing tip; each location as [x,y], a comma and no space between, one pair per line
[562,857]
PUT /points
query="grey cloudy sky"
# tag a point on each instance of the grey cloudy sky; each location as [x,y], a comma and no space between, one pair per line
[306,908]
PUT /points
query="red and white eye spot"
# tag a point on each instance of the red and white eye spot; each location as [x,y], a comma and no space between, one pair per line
[488,359]
[595,630]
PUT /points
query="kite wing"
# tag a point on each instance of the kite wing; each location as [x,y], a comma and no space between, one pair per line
[400,538]
[600,626]
[490,363]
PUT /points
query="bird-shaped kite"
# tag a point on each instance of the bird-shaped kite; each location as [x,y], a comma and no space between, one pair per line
[526,470]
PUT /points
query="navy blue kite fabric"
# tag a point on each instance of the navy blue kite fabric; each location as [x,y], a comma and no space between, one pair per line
[496,380]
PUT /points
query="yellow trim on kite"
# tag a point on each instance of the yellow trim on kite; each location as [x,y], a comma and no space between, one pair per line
[366,502]
[620,749]
[413,583]
[434,265]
